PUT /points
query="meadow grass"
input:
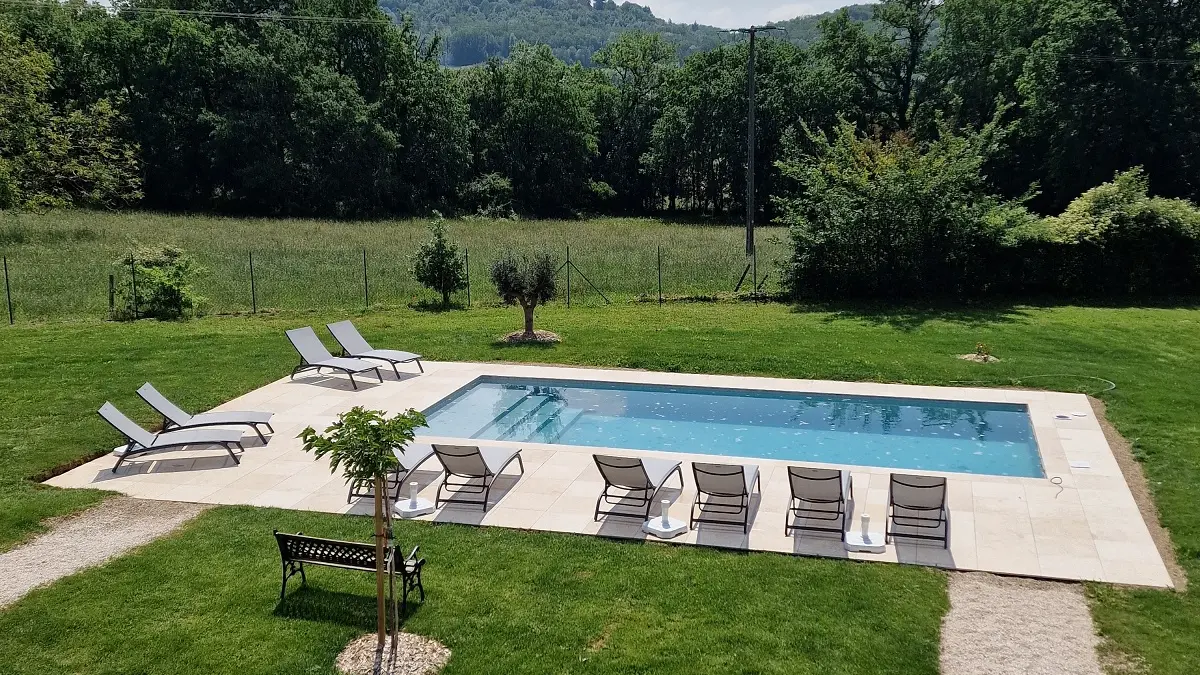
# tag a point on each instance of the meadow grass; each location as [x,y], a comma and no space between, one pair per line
[54,376]
[60,262]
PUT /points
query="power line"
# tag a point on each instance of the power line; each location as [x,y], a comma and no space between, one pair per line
[299,18]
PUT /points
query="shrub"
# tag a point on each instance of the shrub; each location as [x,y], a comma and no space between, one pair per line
[1115,240]
[163,276]
[527,281]
[438,264]
[489,196]
[892,218]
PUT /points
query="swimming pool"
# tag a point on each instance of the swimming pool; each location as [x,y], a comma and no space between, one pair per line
[978,438]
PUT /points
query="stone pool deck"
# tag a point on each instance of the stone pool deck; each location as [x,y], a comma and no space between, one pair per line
[1087,528]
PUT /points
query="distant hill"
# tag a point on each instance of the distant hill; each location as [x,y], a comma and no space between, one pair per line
[473,30]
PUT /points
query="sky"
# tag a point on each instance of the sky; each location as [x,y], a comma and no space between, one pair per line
[738,13]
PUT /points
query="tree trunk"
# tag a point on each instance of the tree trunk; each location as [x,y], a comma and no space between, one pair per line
[528,319]
[445,297]
[380,569]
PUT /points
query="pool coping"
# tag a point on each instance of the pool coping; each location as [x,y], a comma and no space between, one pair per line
[1087,528]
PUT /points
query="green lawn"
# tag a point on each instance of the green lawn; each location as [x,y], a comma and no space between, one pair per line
[60,262]
[204,601]
[53,377]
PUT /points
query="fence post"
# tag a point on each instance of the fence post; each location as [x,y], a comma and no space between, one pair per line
[660,275]
[112,296]
[366,286]
[8,292]
[253,287]
[568,276]
[754,262]
[467,273]
[133,284]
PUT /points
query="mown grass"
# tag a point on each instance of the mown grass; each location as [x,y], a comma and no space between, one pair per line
[52,378]
[205,602]
[60,263]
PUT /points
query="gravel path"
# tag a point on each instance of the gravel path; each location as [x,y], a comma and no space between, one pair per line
[1004,626]
[88,539]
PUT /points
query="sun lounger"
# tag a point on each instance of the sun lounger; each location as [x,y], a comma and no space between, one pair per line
[175,418]
[819,500]
[142,441]
[410,458]
[314,356]
[354,346]
[472,470]
[918,505]
[639,478]
[724,489]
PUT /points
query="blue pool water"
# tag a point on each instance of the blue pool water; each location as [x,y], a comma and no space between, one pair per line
[980,438]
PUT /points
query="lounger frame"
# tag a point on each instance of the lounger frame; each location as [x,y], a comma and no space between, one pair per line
[919,522]
[644,500]
[797,510]
[364,356]
[170,424]
[713,505]
[305,366]
[464,483]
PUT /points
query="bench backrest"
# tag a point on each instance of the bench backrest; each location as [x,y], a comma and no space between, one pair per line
[299,548]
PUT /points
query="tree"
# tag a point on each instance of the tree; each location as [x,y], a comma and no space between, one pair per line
[535,125]
[361,441]
[892,218]
[889,63]
[527,281]
[438,264]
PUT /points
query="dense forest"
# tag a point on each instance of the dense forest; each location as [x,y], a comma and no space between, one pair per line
[474,30]
[998,112]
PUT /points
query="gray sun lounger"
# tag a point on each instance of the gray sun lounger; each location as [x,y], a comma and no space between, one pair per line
[175,418]
[354,346]
[410,459]
[819,500]
[314,356]
[639,478]
[918,505]
[724,489]
[142,441]
[472,470]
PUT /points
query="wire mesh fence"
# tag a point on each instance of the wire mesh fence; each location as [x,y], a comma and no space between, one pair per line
[79,274]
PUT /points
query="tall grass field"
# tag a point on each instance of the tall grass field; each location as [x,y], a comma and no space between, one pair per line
[60,263]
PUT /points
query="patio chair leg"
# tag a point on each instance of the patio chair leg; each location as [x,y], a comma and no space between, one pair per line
[260,433]
[352,382]
[394,370]
[379,375]
[283,588]
[269,427]
[230,451]
[422,369]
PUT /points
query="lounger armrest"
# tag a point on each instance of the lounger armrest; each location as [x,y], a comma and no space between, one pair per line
[413,554]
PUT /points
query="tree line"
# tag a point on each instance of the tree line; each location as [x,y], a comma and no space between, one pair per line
[209,112]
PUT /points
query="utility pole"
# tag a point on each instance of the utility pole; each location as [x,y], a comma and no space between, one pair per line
[753,32]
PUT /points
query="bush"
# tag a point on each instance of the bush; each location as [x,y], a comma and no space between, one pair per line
[438,265]
[1117,240]
[892,218]
[489,196]
[527,281]
[164,276]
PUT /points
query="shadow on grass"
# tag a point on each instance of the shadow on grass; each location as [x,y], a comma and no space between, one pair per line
[975,313]
[309,603]
[435,306]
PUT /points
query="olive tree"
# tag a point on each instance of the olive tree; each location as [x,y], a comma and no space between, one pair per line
[361,442]
[525,280]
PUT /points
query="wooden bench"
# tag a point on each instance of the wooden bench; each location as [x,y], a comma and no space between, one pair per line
[296,550]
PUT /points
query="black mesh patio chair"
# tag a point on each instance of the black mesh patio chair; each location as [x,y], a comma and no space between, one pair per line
[470,470]
[724,490]
[819,500]
[632,482]
[142,441]
[354,346]
[175,418]
[314,356]
[918,505]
